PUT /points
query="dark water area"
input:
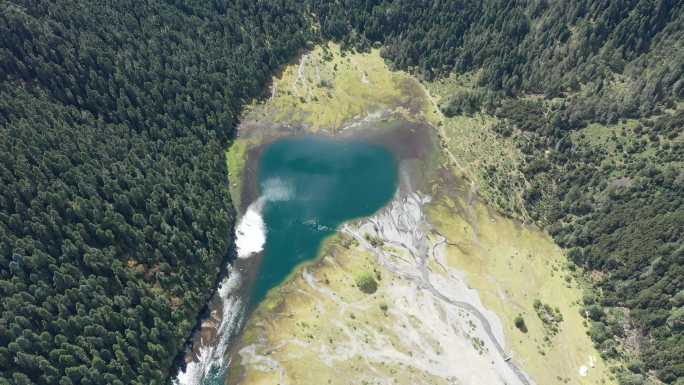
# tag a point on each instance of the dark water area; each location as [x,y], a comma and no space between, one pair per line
[310,186]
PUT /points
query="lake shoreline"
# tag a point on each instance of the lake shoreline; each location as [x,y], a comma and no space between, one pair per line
[406,140]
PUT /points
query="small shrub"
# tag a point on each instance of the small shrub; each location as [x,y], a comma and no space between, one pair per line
[374,241]
[550,317]
[366,283]
[520,323]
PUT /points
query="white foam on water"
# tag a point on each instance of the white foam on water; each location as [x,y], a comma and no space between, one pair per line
[277,189]
[250,234]
[213,356]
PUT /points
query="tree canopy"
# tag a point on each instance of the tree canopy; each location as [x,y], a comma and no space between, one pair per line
[115,219]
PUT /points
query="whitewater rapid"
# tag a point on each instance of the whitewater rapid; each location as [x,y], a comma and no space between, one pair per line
[211,357]
[250,237]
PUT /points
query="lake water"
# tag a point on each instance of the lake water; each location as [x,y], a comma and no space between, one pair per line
[312,185]
[308,186]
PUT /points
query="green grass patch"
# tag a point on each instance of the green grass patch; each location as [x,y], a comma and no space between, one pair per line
[236,156]
[366,282]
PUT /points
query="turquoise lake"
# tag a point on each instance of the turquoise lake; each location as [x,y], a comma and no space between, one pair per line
[308,186]
[312,185]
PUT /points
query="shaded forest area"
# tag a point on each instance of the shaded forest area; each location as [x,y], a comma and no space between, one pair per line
[114,213]
[623,57]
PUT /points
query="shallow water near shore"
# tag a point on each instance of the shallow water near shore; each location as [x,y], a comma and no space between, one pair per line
[310,185]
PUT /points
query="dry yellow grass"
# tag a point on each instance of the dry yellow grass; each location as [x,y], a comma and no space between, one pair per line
[329,88]
[320,336]
[511,265]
